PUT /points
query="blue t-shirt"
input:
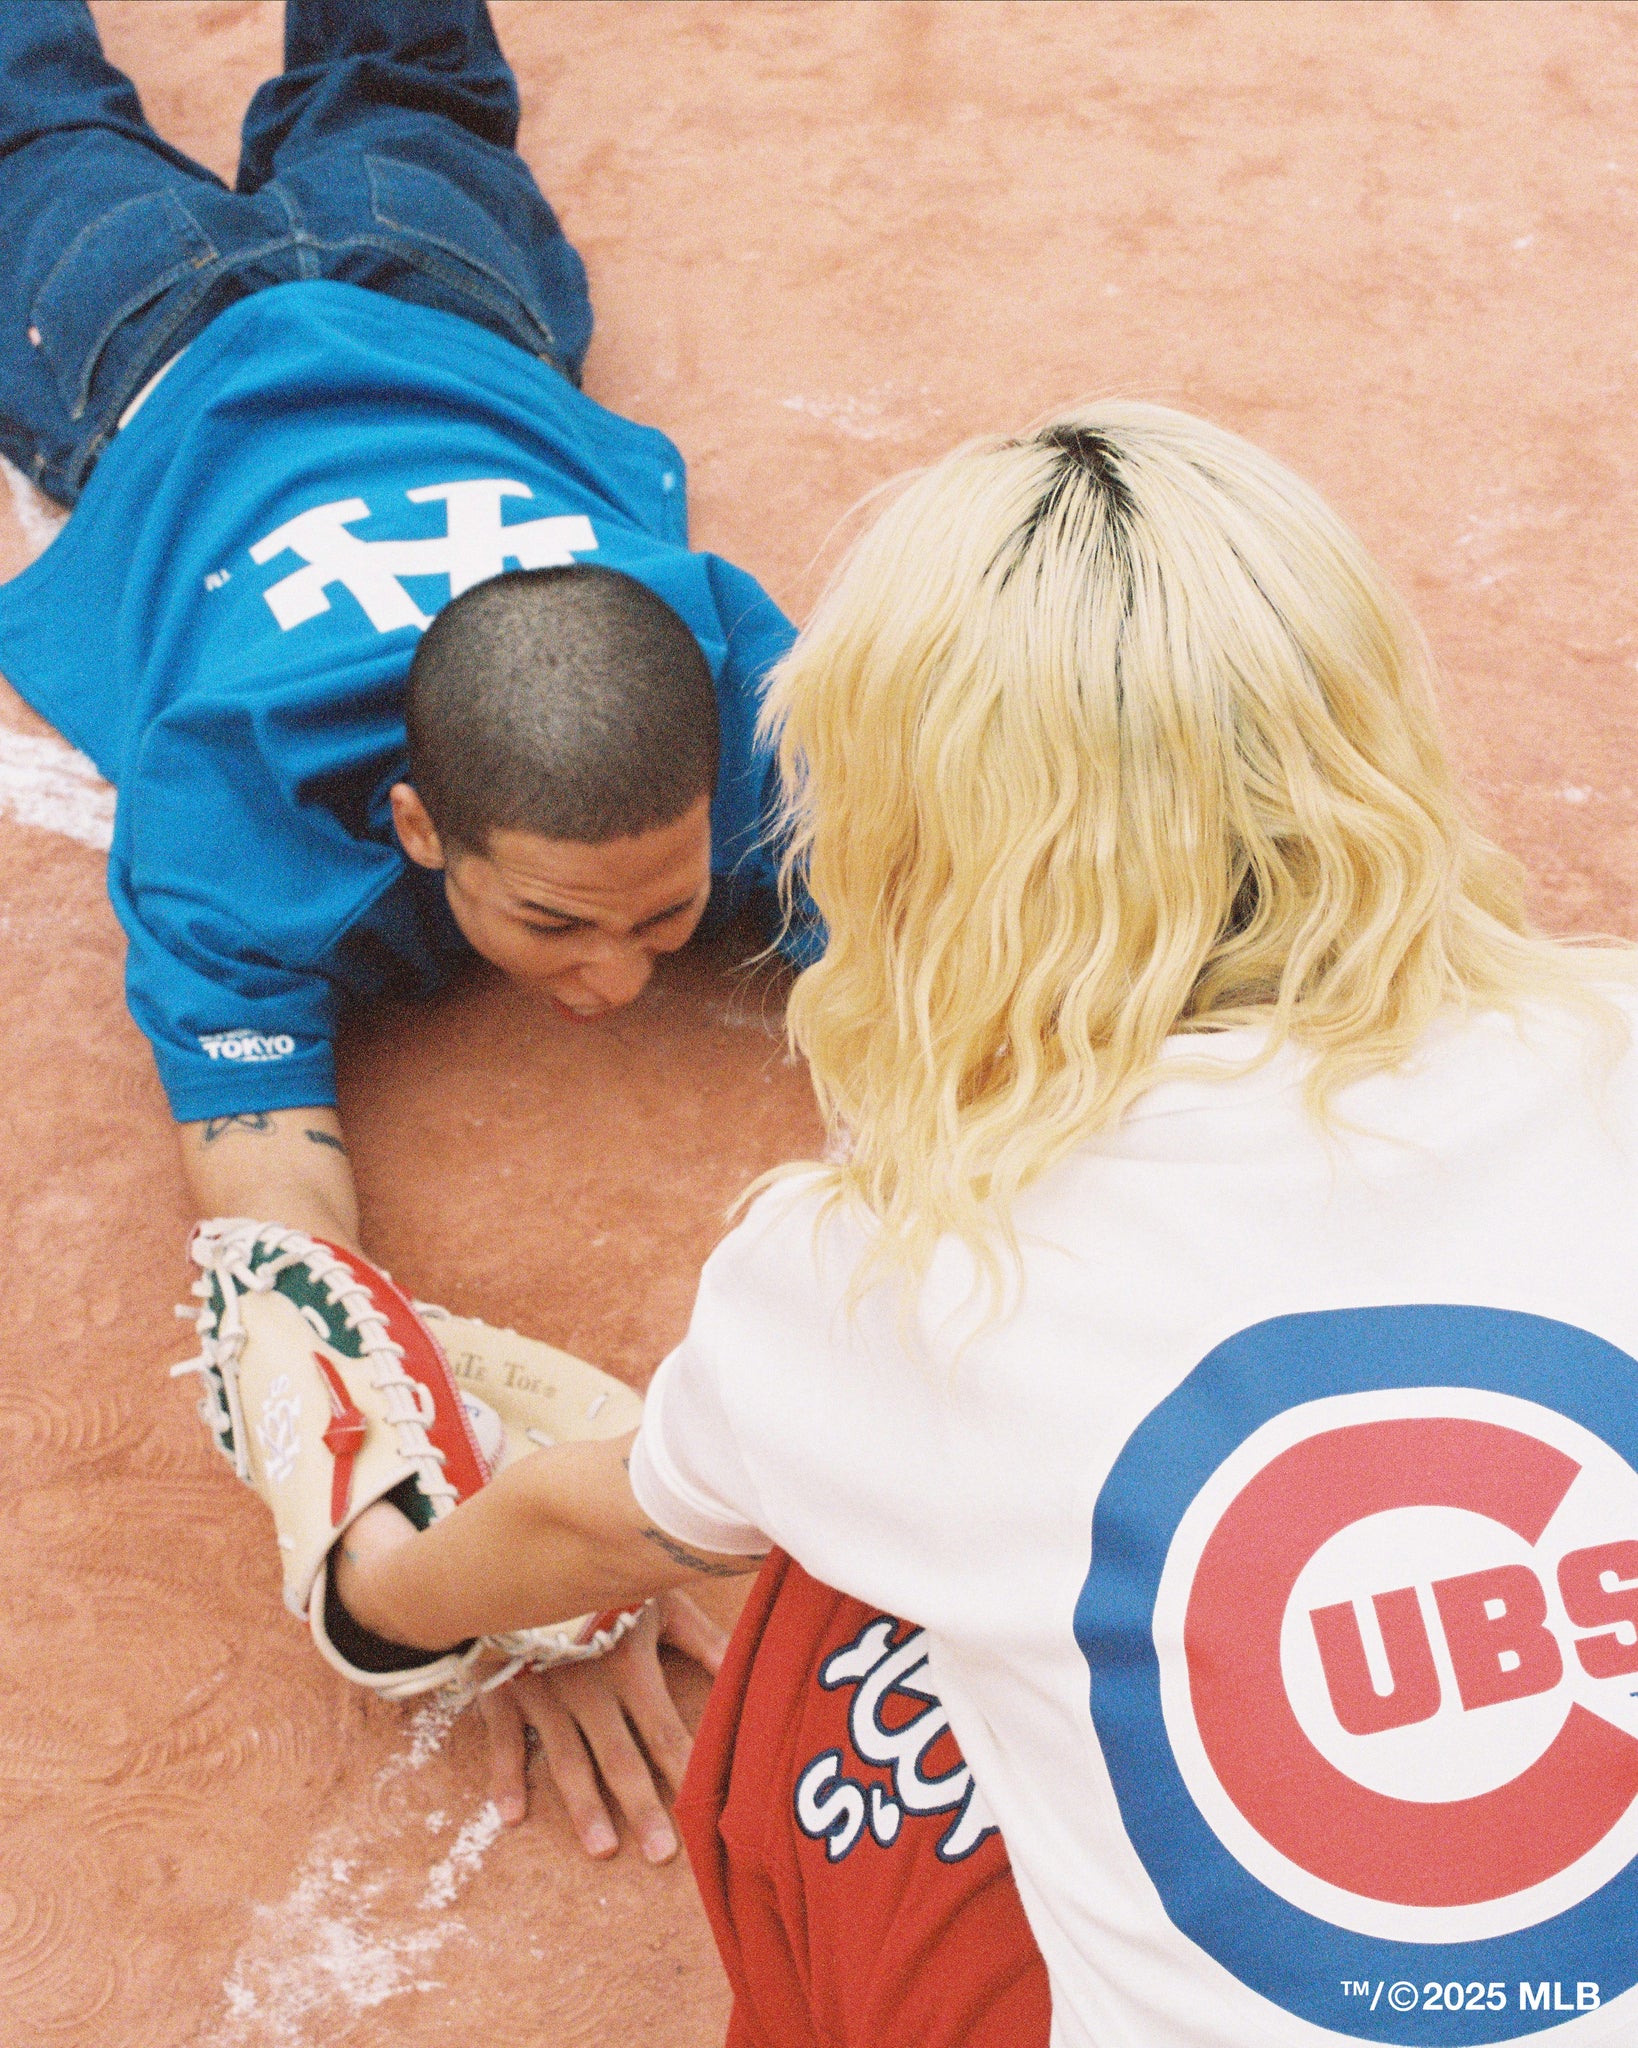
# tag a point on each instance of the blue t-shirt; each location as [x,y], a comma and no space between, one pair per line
[225,624]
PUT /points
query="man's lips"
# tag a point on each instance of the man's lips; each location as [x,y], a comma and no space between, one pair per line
[579,1016]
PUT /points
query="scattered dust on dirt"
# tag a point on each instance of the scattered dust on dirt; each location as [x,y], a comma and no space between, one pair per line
[337,1944]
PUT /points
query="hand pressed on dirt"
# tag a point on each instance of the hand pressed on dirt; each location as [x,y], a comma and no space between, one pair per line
[608,1731]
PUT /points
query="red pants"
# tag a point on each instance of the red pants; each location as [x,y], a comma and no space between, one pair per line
[858,1895]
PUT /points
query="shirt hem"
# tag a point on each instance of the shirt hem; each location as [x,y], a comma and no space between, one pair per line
[254,1094]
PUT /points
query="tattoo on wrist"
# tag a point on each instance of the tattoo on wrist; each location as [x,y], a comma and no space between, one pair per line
[327,1138]
[709,1567]
[257,1121]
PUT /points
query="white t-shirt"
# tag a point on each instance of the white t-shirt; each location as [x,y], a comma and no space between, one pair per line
[1278,1555]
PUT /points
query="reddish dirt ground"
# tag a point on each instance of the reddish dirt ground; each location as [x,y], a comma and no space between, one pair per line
[1393,243]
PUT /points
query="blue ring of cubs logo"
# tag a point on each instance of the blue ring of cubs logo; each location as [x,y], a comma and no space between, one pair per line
[1362,1629]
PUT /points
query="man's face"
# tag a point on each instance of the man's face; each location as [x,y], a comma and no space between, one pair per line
[583,924]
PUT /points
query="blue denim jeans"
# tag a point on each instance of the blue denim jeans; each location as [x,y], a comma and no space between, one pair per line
[383,156]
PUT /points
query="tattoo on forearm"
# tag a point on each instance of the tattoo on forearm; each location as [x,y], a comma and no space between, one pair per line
[326,1138]
[256,1121]
[690,1560]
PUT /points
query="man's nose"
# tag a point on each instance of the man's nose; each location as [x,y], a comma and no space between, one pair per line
[618,976]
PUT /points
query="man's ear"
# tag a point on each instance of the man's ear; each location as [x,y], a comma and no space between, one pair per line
[417,834]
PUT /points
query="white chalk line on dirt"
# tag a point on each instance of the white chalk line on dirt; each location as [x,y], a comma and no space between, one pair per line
[884,413]
[48,784]
[429,1729]
[319,1956]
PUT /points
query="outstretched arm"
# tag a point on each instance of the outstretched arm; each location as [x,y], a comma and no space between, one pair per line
[557,1534]
[290,1166]
[286,1166]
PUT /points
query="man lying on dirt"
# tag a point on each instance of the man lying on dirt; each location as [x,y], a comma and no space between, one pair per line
[390,640]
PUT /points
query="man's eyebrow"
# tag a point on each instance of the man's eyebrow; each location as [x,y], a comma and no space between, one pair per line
[566,921]
[562,917]
[675,910]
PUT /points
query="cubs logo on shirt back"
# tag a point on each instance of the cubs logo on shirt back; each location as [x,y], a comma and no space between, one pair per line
[1362,1628]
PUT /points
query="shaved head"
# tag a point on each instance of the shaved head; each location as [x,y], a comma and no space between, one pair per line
[572,703]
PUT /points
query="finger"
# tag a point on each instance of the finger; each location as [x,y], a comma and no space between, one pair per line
[508,1756]
[686,1626]
[629,1778]
[637,1679]
[625,1769]
[650,1707]
[572,1772]
[653,1713]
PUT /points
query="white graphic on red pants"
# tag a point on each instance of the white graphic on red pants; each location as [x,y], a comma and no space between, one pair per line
[894,1720]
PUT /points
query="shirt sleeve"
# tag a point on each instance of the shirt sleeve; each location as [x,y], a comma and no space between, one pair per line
[744,819]
[231,1033]
[686,1470]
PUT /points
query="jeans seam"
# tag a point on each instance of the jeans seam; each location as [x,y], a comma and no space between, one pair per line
[297,238]
[460,273]
[150,289]
[448,248]
[508,307]
[91,227]
[137,373]
[207,270]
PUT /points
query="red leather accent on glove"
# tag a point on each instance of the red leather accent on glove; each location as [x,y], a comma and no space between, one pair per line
[449,1430]
[343,1439]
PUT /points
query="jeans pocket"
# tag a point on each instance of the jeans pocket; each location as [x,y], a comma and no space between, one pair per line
[113,268]
[436,214]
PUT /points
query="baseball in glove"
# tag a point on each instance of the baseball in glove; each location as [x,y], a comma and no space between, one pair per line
[327,1389]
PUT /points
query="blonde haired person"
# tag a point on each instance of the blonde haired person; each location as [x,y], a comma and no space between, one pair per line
[1214,1323]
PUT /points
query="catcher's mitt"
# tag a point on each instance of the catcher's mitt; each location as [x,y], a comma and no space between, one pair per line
[327,1389]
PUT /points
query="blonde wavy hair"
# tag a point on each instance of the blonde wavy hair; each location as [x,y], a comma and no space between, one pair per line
[1101,736]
